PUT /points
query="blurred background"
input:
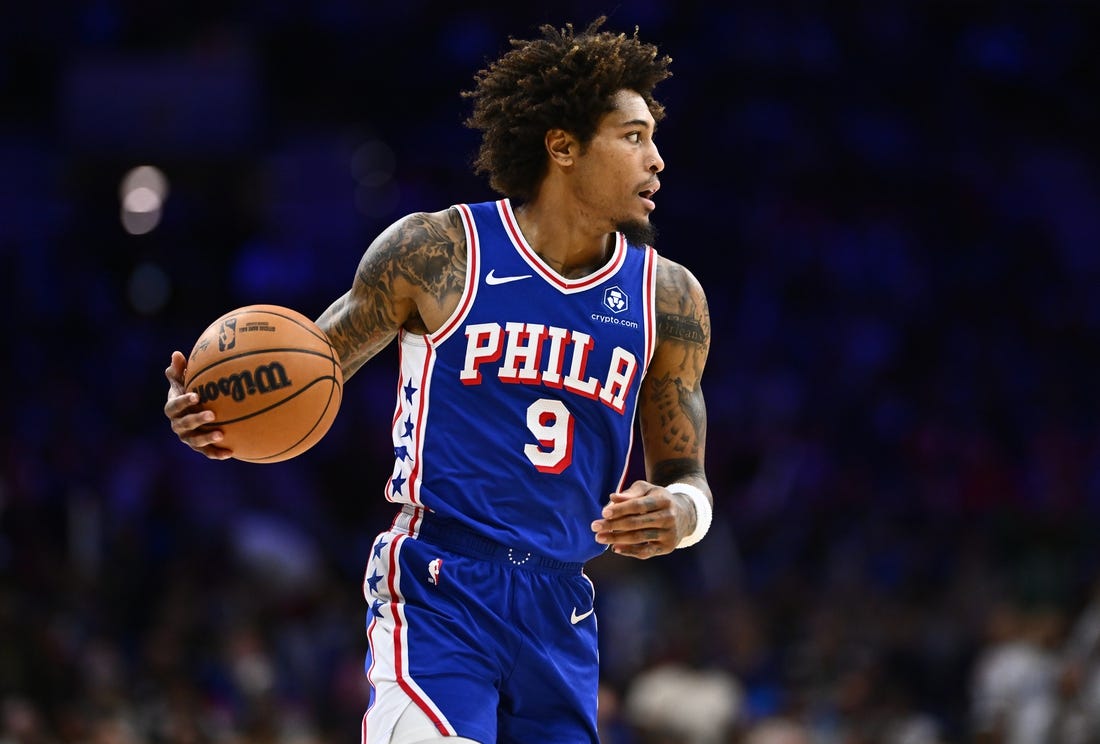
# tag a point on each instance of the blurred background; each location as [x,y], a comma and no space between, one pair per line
[893,208]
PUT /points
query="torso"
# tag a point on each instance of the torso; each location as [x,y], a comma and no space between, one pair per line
[518,393]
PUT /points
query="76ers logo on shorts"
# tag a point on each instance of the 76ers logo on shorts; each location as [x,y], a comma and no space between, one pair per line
[433,571]
[227,334]
[615,300]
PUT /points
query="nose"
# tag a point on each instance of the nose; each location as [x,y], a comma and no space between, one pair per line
[656,162]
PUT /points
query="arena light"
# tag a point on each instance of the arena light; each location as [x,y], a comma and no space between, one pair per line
[142,194]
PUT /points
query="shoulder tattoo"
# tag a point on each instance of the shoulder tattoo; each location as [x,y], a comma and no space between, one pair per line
[682,313]
[427,253]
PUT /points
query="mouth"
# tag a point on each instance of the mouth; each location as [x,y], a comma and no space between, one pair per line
[647,193]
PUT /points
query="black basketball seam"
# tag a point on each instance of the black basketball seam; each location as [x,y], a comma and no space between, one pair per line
[291,397]
[312,328]
[324,412]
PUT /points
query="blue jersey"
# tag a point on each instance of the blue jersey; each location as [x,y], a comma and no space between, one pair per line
[516,417]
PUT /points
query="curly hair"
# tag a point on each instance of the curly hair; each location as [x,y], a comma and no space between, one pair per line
[562,80]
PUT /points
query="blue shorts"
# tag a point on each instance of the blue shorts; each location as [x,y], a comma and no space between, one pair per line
[492,643]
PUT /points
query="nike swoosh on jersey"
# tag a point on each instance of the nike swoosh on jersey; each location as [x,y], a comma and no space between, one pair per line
[575,618]
[492,278]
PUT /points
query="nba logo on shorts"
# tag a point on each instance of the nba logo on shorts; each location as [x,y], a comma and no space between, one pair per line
[433,571]
[227,336]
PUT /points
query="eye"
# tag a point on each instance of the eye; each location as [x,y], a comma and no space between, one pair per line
[634,137]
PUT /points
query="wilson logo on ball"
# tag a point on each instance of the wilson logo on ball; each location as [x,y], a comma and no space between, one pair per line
[266,378]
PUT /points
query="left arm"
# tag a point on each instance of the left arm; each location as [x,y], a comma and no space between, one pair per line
[647,519]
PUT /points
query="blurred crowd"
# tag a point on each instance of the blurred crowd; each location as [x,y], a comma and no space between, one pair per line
[893,207]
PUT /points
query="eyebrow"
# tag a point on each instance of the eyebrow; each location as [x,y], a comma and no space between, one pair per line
[639,123]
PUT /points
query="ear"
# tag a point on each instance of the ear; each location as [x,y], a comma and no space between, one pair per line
[561,146]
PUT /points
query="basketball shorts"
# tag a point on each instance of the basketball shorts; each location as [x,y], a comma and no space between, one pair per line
[490,642]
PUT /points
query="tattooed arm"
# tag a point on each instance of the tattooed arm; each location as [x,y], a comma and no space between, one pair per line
[646,519]
[410,277]
[672,412]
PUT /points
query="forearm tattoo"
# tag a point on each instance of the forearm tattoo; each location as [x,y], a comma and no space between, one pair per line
[670,471]
[679,415]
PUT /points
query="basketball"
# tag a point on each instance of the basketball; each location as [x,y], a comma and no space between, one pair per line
[271,377]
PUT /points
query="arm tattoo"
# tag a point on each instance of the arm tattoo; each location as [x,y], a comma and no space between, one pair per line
[670,471]
[682,313]
[428,256]
[672,408]
[681,327]
[681,416]
[419,261]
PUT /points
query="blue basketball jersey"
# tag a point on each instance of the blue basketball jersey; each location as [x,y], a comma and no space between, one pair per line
[516,417]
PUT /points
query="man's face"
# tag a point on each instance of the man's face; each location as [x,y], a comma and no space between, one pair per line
[619,168]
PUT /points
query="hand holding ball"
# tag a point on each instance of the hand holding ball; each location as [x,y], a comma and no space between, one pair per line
[271,377]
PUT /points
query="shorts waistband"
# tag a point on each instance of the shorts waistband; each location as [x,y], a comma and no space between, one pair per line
[456,537]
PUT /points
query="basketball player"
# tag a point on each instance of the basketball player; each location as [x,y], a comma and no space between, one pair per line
[531,332]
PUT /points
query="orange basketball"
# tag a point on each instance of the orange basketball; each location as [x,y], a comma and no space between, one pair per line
[271,377]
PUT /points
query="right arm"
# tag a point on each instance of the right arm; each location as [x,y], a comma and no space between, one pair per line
[410,277]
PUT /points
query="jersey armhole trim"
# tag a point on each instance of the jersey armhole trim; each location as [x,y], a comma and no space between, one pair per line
[649,284]
[469,292]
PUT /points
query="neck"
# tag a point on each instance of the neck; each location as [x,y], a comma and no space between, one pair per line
[567,244]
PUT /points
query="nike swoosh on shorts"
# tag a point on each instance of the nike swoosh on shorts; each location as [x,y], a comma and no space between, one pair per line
[575,618]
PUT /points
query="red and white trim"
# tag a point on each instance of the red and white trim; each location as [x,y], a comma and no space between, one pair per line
[387,636]
[566,286]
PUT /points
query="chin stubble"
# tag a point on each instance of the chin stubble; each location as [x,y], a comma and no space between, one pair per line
[638,232]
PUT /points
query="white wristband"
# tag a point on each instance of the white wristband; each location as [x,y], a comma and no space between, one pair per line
[704,513]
